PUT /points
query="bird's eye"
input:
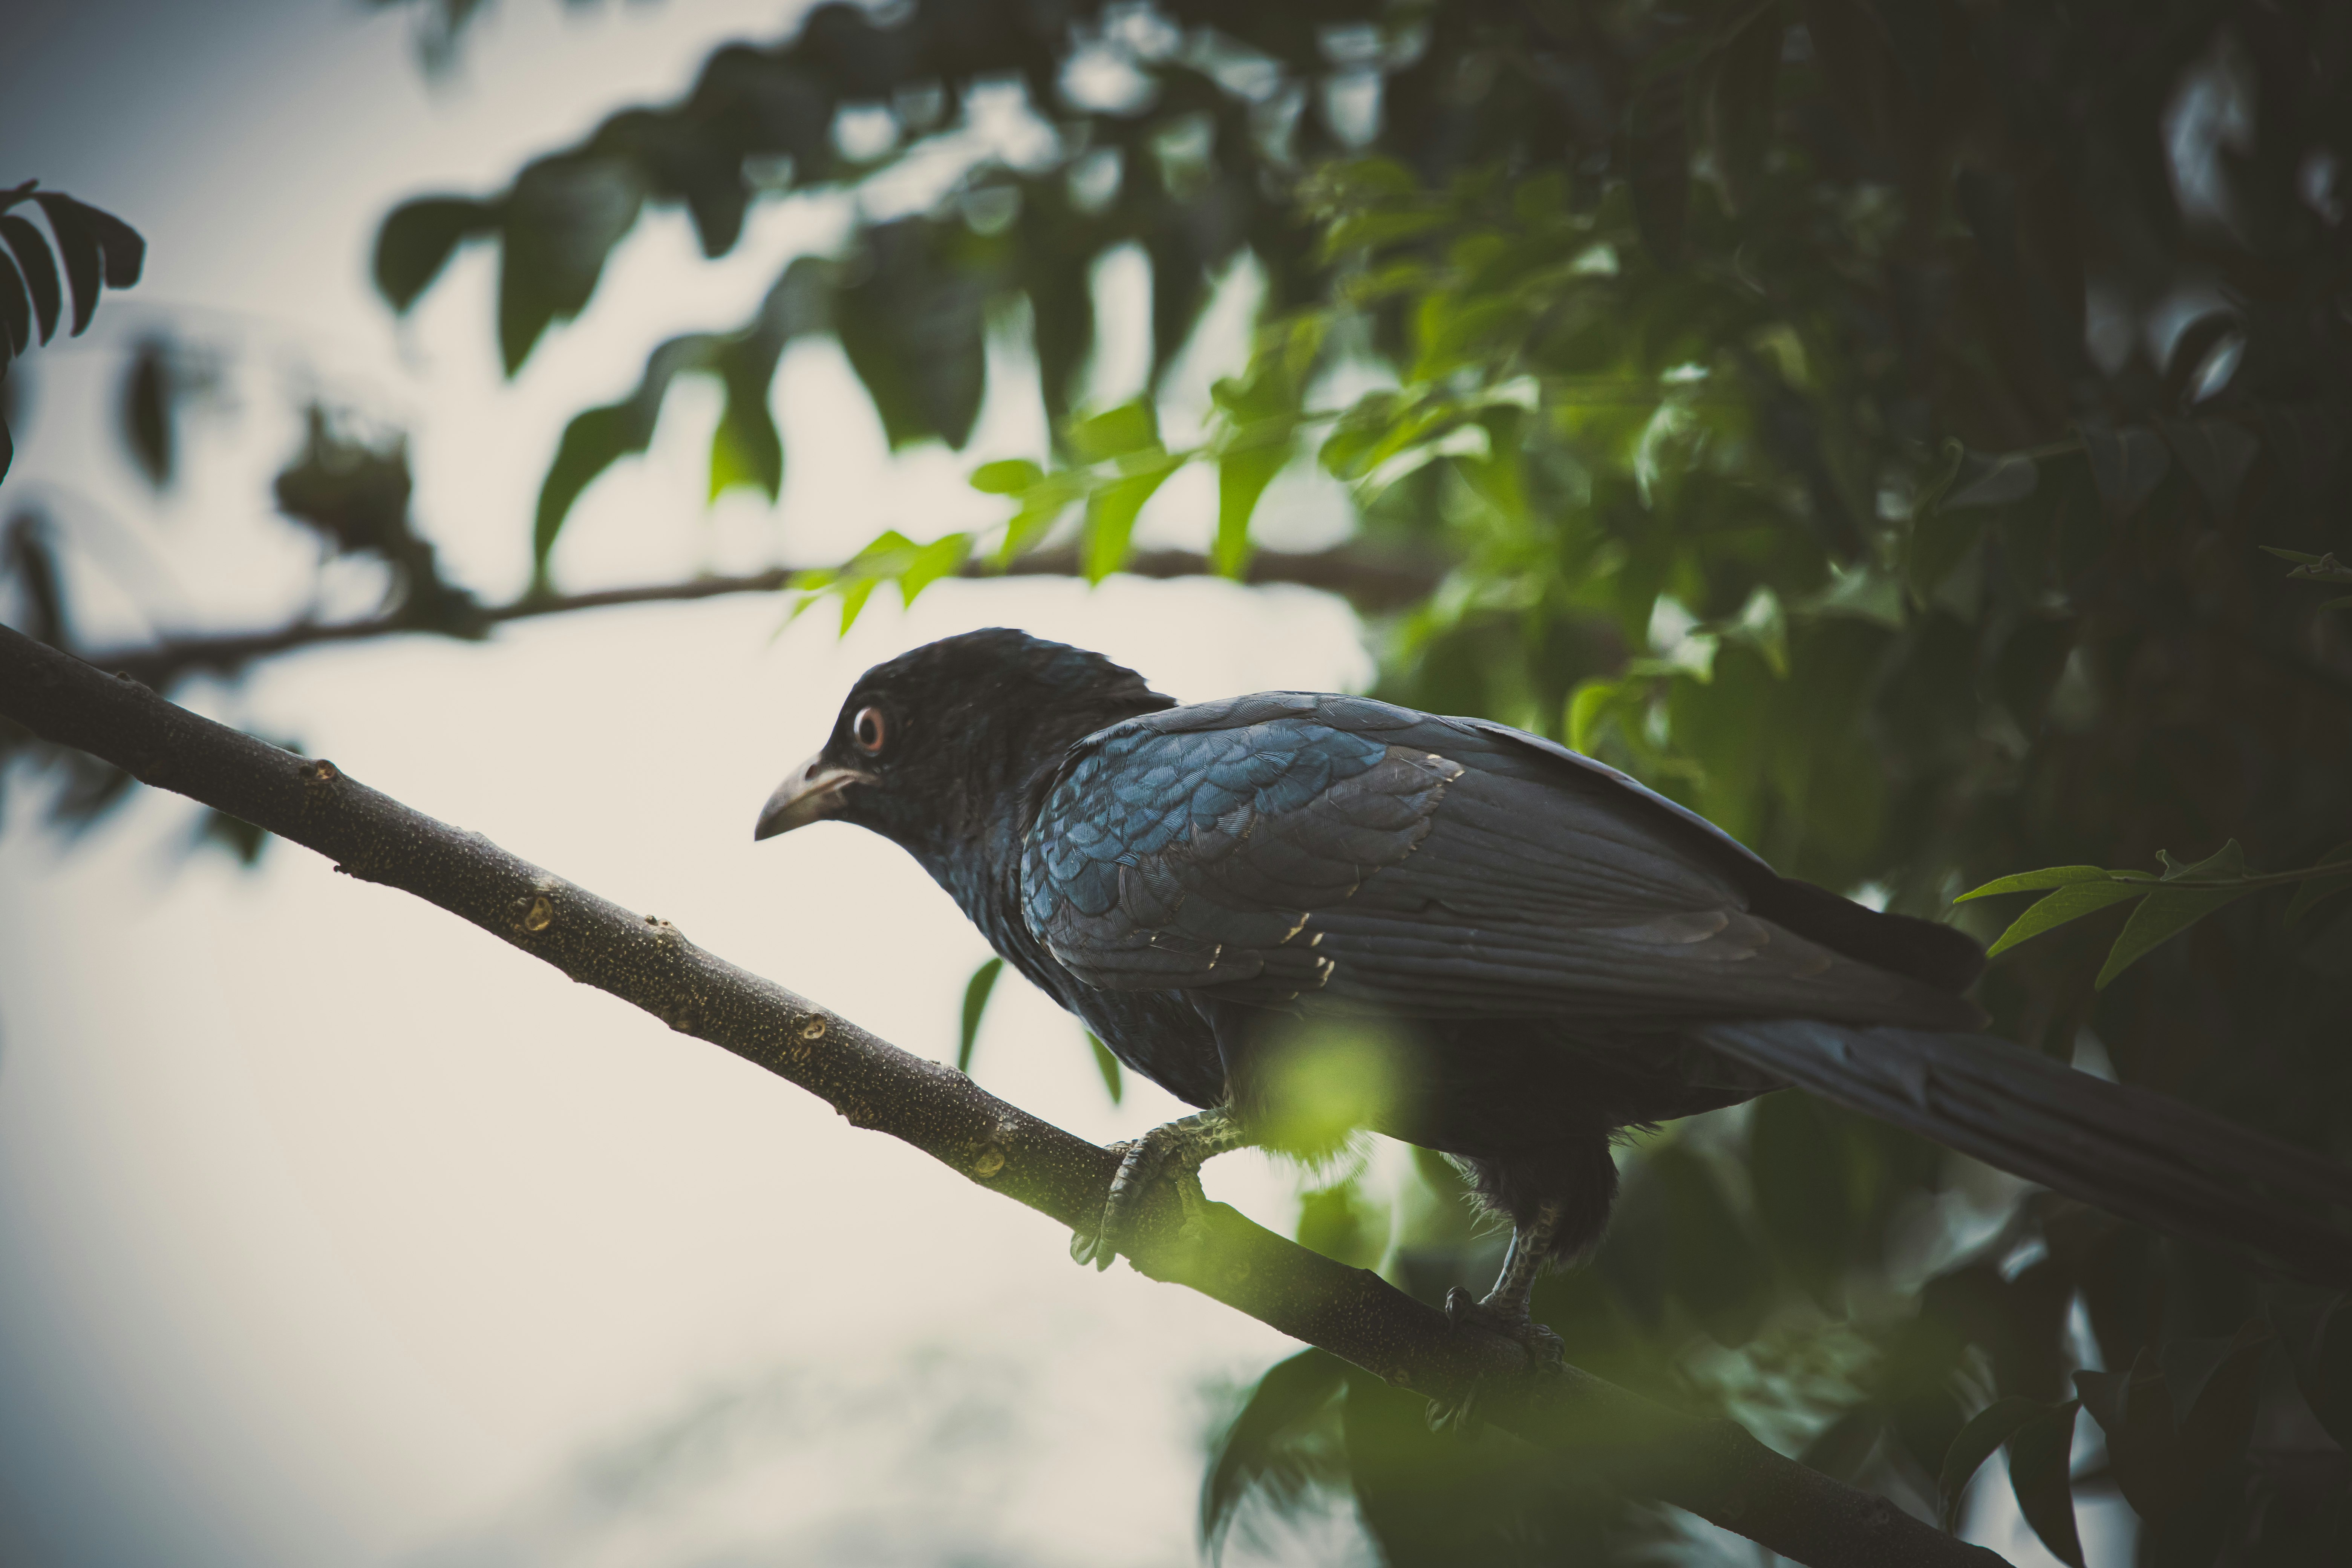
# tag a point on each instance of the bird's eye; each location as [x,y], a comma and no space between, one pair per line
[867,730]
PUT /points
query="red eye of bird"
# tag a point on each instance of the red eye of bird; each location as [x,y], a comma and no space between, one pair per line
[867,731]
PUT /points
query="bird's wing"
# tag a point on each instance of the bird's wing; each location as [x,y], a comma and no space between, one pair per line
[1290,848]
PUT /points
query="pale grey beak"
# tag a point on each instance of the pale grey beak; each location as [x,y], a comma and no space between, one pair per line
[810,792]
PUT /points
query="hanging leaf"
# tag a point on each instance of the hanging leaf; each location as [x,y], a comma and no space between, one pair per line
[417,239]
[15,313]
[2040,1453]
[1990,1427]
[2213,1434]
[2316,1331]
[2162,916]
[2068,903]
[2135,1409]
[146,411]
[1107,1065]
[976,1003]
[1111,513]
[40,270]
[1252,1452]
[1243,475]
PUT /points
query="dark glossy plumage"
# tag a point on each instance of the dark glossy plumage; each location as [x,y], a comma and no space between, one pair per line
[1560,953]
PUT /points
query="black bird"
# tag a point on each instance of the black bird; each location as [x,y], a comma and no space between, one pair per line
[1544,951]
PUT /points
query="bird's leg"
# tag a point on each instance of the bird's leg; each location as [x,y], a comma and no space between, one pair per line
[1175,1151]
[1504,1310]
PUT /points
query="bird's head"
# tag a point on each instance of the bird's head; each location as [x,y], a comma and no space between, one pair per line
[931,745]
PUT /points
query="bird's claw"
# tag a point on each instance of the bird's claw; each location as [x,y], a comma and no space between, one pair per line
[1544,1351]
[1173,1152]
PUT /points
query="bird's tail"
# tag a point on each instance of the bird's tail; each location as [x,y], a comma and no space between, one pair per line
[2135,1153]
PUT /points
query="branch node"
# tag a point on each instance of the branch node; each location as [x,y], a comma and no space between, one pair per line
[536,913]
[811,1029]
[321,772]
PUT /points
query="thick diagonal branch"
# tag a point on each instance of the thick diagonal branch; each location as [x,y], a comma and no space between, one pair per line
[1370,578]
[1714,1468]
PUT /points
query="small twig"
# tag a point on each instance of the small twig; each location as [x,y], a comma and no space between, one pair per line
[1714,1468]
[1368,578]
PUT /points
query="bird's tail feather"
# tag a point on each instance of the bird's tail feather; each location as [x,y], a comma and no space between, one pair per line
[2135,1153]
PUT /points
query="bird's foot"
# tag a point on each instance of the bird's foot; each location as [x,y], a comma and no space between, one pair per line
[1174,1152]
[1496,1315]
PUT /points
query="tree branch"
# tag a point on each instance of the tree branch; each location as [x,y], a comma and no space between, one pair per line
[1370,578]
[1714,1468]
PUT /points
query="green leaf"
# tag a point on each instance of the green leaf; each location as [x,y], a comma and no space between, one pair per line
[1242,476]
[2067,903]
[1110,516]
[2228,861]
[2317,1335]
[2135,1409]
[1588,706]
[39,268]
[1107,1065]
[2164,915]
[2213,1434]
[976,1003]
[2309,896]
[941,557]
[1118,432]
[2040,1456]
[1006,477]
[1251,1452]
[746,450]
[598,437]
[2035,882]
[417,240]
[2297,556]
[1986,1430]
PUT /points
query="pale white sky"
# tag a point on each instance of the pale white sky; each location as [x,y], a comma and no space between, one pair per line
[333,1232]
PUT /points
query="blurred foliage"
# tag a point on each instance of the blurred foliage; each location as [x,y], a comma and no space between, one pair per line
[84,251]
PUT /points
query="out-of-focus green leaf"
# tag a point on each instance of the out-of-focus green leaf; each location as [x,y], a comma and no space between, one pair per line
[1251,1452]
[2315,1329]
[1006,477]
[1114,1083]
[2135,1409]
[1133,426]
[1986,1430]
[147,423]
[1111,513]
[2068,903]
[975,1004]
[2040,1451]
[1242,474]
[1657,139]
[1798,1162]
[417,240]
[2213,1434]
[40,268]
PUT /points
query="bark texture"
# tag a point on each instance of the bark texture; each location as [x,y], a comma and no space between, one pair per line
[1713,1468]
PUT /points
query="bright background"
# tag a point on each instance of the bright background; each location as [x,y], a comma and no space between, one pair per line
[332,1232]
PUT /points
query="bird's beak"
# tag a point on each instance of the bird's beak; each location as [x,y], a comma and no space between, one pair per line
[810,792]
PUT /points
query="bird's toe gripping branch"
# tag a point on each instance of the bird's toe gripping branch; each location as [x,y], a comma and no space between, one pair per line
[1173,1152]
[1503,1311]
